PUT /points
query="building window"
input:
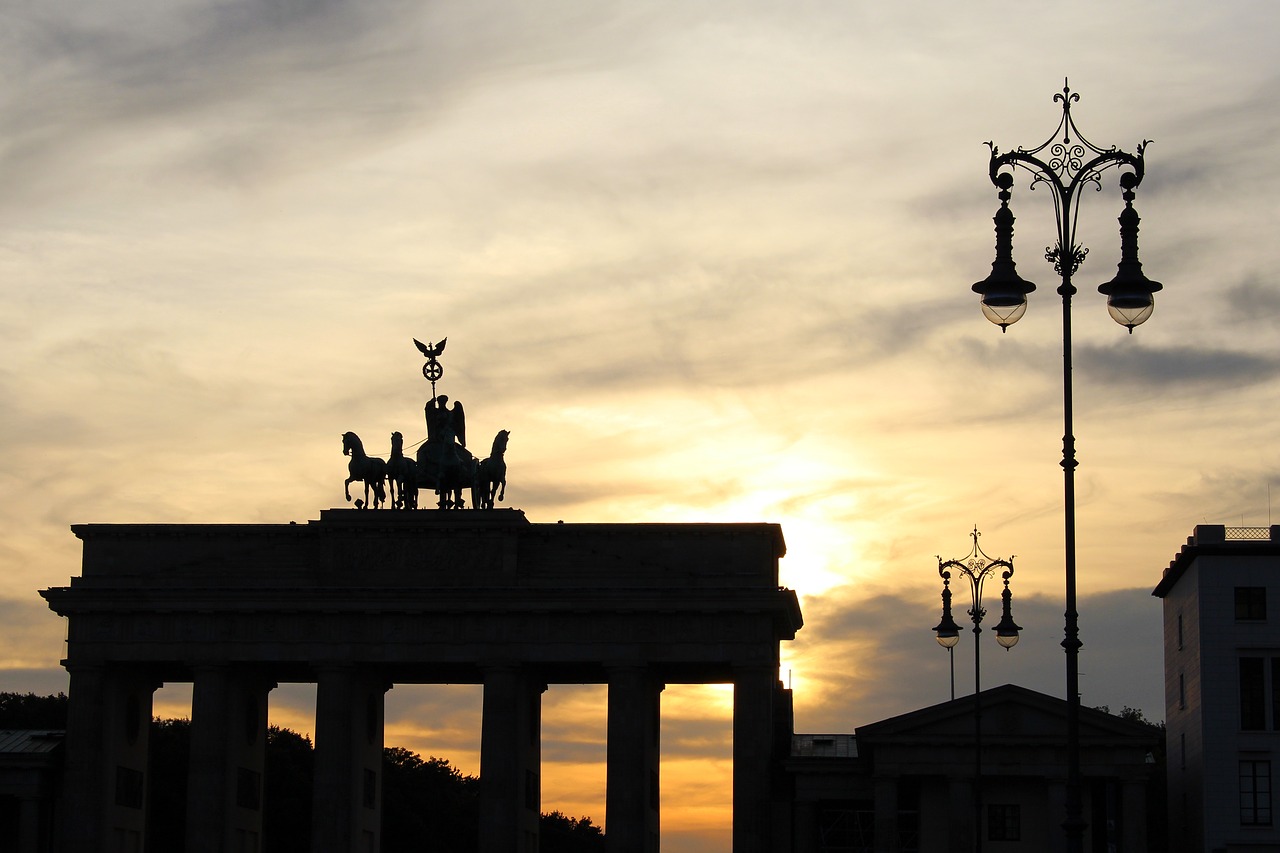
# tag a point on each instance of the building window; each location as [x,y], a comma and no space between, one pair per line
[1179,632]
[532,795]
[1275,693]
[1182,691]
[1251,603]
[248,788]
[1255,793]
[1004,822]
[129,787]
[1259,693]
[1253,695]
[844,825]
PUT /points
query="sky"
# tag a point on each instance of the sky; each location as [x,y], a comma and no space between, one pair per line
[705,261]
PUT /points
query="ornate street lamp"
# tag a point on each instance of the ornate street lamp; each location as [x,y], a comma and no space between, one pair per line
[1066,164]
[976,567]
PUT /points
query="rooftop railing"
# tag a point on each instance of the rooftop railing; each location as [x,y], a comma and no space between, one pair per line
[1247,533]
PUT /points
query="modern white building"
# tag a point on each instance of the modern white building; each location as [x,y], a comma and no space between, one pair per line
[1221,597]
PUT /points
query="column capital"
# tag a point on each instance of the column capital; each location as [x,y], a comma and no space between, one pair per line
[624,665]
[754,668]
[499,664]
[325,667]
[633,673]
[85,667]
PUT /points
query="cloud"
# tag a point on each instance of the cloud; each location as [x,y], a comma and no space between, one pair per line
[1185,370]
[704,264]
[881,639]
[33,640]
[39,680]
[244,93]
[1254,300]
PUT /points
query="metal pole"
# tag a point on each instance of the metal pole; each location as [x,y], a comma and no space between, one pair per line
[977,730]
[1074,824]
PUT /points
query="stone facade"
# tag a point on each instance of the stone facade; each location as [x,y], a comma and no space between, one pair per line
[359,601]
[907,783]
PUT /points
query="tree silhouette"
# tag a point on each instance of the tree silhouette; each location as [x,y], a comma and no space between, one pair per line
[168,759]
[564,834]
[286,796]
[29,711]
[427,804]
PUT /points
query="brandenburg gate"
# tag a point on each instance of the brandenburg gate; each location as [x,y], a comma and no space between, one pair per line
[358,601]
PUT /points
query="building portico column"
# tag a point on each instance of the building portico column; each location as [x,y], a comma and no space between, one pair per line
[632,790]
[886,816]
[753,737]
[228,752]
[510,760]
[347,796]
[961,791]
[85,771]
[105,783]
[29,826]
[1133,814]
[805,835]
[1057,808]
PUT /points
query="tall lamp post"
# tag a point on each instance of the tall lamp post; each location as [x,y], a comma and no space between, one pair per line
[1065,165]
[976,567]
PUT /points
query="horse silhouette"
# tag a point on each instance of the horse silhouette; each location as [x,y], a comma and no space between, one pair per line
[491,474]
[402,475]
[370,470]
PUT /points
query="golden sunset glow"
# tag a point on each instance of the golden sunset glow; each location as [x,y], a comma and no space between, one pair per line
[706,262]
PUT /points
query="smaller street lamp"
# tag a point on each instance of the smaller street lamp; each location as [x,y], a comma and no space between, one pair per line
[976,568]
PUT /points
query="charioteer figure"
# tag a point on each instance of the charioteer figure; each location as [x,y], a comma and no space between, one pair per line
[446,424]
[444,455]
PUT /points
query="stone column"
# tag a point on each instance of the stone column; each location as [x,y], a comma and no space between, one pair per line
[886,815]
[228,752]
[347,795]
[29,826]
[510,761]
[805,837]
[85,773]
[1133,815]
[1057,815]
[632,790]
[108,721]
[753,736]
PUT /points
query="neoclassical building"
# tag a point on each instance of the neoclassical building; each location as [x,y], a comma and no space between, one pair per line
[358,601]
[907,784]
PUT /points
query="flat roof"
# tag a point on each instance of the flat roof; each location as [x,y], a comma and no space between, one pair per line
[1219,540]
